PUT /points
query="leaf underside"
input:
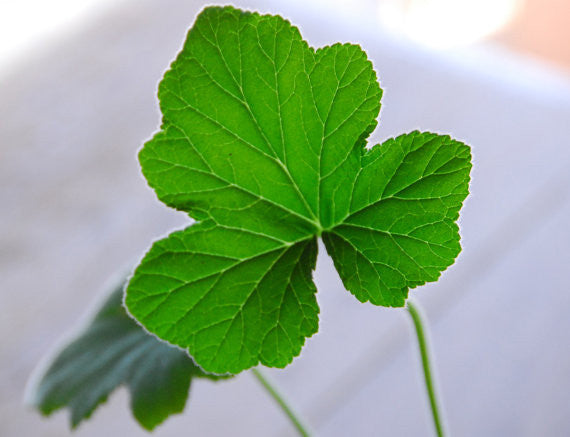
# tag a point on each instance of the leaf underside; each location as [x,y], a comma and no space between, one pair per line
[263,142]
[113,351]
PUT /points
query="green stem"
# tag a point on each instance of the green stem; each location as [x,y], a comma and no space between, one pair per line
[297,422]
[419,323]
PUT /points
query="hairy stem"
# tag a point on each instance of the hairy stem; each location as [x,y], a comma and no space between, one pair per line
[419,324]
[295,420]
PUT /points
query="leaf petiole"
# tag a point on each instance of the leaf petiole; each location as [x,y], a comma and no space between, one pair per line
[418,319]
[287,409]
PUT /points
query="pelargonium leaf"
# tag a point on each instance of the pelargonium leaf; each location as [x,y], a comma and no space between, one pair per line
[263,142]
[400,231]
[112,351]
[231,296]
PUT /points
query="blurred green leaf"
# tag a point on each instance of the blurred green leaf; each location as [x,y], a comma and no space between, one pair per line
[113,351]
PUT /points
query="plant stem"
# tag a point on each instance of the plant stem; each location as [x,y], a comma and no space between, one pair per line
[297,422]
[419,323]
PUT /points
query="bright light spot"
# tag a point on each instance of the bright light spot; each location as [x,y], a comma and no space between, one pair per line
[444,24]
[25,23]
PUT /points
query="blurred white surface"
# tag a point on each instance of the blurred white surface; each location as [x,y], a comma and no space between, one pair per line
[25,25]
[76,211]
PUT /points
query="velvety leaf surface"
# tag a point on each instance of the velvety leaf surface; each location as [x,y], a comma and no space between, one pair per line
[400,231]
[263,142]
[230,296]
[113,351]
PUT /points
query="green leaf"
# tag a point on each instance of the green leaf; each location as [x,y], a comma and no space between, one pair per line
[114,350]
[229,295]
[400,231]
[263,142]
